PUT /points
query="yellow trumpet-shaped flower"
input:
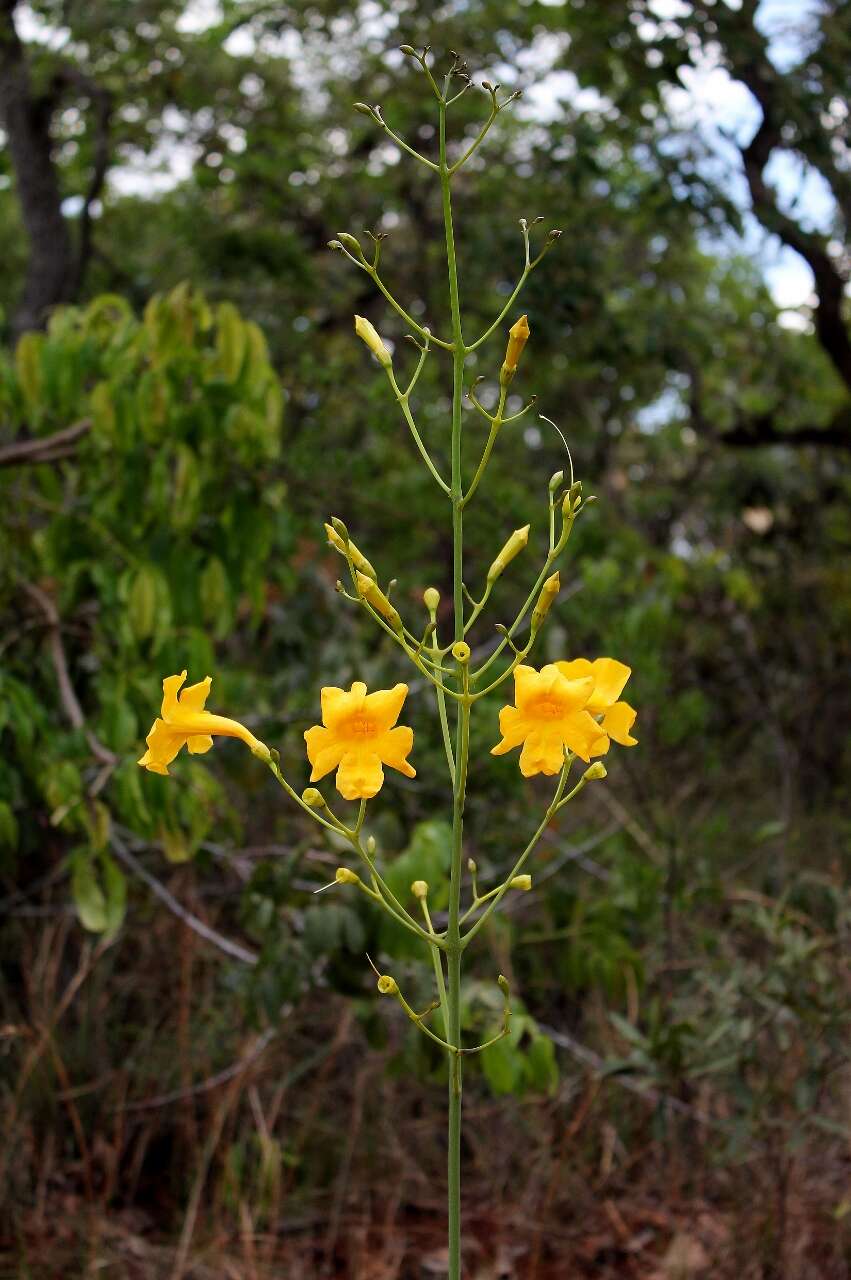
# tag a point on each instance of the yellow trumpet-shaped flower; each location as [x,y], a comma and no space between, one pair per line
[549,717]
[357,736]
[609,678]
[185,723]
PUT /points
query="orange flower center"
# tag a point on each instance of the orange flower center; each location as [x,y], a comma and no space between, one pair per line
[361,727]
[548,709]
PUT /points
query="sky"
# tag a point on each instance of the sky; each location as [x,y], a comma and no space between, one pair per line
[722,111]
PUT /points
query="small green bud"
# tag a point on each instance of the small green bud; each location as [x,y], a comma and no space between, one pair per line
[574,494]
[502,983]
[388,986]
[363,109]
[370,845]
[471,866]
[313,798]
[595,771]
[555,480]
[431,599]
[352,244]
[523,883]
[343,875]
[419,889]
[461,652]
[406,48]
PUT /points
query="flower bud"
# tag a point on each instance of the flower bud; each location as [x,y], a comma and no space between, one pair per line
[406,48]
[363,109]
[369,334]
[370,845]
[574,494]
[502,983]
[344,544]
[313,798]
[513,547]
[595,771]
[343,875]
[549,591]
[388,986]
[370,591]
[471,866]
[419,889]
[521,882]
[555,480]
[461,652]
[431,599]
[352,244]
[518,336]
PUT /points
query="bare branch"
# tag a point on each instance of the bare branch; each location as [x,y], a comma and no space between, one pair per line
[41,449]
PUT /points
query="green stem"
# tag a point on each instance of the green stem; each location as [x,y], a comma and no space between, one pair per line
[453,932]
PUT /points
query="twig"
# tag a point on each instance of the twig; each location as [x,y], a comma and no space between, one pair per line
[230,948]
[67,695]
[212,1082]
[45,448]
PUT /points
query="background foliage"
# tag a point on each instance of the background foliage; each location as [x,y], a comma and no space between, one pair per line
[182,404]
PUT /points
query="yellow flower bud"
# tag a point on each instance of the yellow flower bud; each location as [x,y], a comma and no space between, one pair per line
[388,986]
[549,591]
[373,595]
[596,771]
[461,652]
[344,876]
[369,334]
[419,889]
[357,557]
[502,983]
[518,336]
[521,882]
[370,845]
[513,547]
[431,599]
[313,798]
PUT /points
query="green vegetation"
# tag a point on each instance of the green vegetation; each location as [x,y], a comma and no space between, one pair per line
[182,405]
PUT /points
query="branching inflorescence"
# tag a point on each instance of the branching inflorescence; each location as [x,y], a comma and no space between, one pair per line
[564,712]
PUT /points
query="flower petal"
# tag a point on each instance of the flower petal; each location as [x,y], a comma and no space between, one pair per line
[199,743]
[324,751]
[617,723]
[335,705]
[195,695]
[527,683]
[581,734]
[514,726]
[610,676]
[384,706]
[360,775]
[572,694]
[578,669]
[542,753]
[171,687]
[163,745]
[394,746]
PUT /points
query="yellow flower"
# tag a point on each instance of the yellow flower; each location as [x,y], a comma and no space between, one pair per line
[549,716]
[185,723]
[357,736]
[609,678]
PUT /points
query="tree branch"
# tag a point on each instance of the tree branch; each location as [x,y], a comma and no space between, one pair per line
[44,448]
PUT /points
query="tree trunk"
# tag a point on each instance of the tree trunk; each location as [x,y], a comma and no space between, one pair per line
[26,119]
